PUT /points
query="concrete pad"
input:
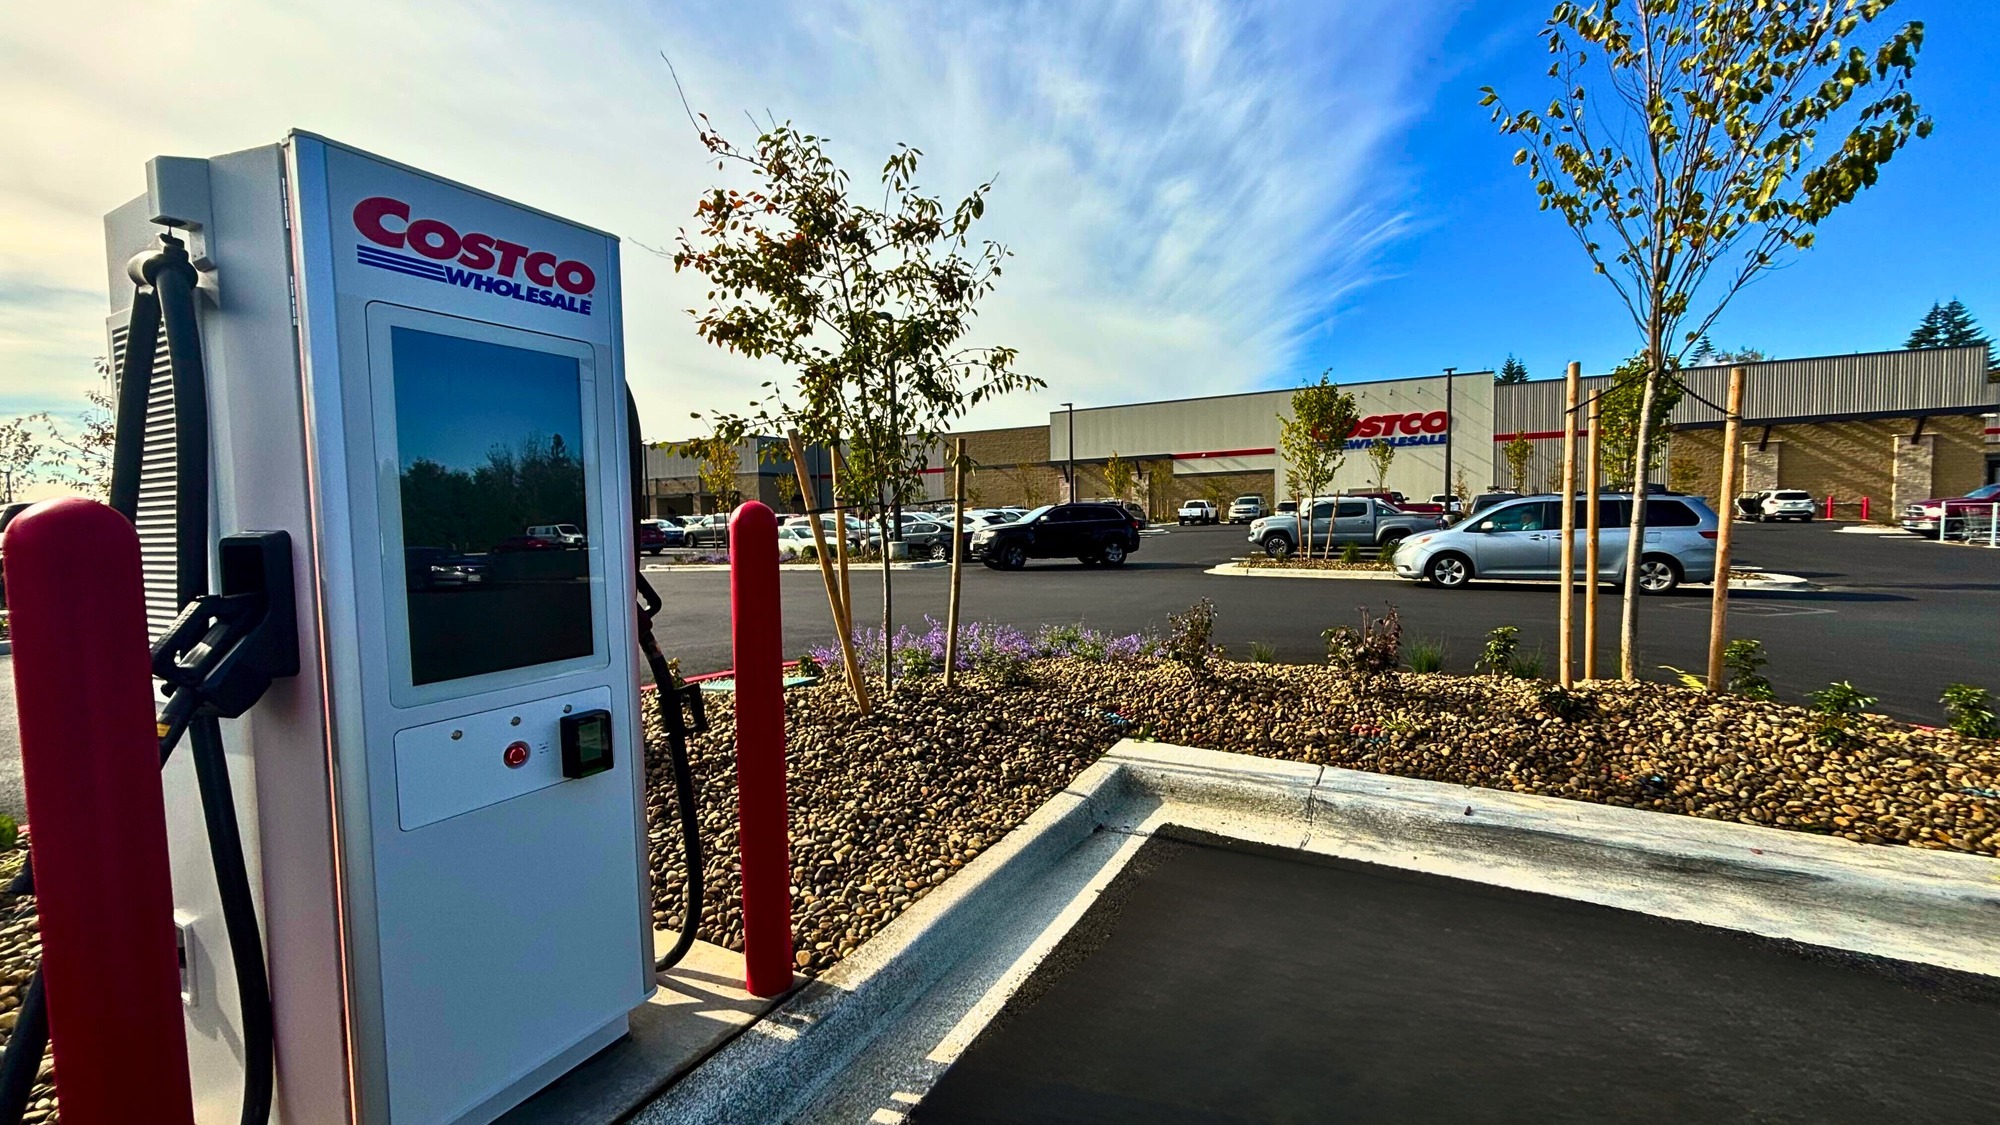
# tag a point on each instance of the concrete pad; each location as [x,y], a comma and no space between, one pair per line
[699,1007]
[869,1040]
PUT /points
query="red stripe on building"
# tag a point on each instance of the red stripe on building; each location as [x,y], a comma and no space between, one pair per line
[1221,453]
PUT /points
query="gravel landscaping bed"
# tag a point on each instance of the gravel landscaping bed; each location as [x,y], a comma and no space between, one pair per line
[884,808]
[1265,562]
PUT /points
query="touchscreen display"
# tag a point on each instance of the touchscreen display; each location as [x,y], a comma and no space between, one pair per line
[495,520]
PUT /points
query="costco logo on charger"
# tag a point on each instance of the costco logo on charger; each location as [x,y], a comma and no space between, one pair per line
[557,283]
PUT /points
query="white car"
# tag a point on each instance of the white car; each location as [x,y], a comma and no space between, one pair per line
[1198,511]
[1244,509]
[794,539]
[1777,504]
[567,534]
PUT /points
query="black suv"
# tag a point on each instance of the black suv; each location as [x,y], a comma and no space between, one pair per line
[1089,533]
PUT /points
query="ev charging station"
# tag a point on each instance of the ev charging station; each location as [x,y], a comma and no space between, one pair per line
[442,812]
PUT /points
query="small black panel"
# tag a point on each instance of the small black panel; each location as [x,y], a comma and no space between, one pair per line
[586,743]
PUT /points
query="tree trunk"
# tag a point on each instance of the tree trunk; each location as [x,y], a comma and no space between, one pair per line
[1635,543]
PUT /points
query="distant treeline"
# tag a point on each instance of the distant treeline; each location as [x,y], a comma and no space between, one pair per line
[539,482]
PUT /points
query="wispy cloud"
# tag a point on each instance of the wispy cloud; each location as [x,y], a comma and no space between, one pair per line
[1188,186]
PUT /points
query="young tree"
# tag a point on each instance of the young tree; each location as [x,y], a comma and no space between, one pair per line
[1120,477]
[1683,147]
[24,456]
[788,490]
[1512,371]
[1519,451]
[1380,455]
[82,453]
[1314,443]
[1034,484]
[869,306]
[1619,413]
[715,464]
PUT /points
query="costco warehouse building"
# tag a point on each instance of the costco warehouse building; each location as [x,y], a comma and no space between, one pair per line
[1889,426]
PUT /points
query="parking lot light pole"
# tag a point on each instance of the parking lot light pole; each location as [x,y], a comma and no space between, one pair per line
[1069,452]
[1448,419]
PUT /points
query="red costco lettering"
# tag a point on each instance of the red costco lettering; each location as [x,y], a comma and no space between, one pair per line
[440,241]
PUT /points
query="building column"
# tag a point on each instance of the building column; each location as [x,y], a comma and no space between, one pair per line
[1914,457]
[1760,467]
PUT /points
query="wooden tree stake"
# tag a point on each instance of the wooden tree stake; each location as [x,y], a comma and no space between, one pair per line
[1566,550]
[957,557]
[1718,612]
[1591,535]
[840,620]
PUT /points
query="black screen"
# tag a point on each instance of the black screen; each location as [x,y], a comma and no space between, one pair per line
[495,520]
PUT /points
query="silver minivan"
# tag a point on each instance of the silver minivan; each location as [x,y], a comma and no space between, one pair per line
[1522,539]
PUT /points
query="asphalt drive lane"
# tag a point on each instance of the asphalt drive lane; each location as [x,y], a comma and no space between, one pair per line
[1897,616]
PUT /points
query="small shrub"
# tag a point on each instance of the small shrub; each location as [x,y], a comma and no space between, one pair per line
[1836,706]
[1350,554]
[912,662]
[1191,636]
[809,665]
[1372,649]
[1526,666]
[809,552]
[1427,656]
[10,833]
[1496,657]
[1564,704]
[1742,659]
[1971,711]
[1262,653]
[1387,556]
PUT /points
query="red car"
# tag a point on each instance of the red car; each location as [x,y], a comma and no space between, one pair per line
[1952,517]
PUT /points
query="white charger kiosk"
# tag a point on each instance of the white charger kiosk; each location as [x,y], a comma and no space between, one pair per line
[444,811]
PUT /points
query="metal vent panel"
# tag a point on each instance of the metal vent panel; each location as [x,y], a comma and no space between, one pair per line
[156,513]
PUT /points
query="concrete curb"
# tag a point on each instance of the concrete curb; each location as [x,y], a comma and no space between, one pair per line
[884,1024]
[1235,570]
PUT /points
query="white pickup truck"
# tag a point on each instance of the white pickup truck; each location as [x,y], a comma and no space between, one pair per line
[1198,511]
[1361,520]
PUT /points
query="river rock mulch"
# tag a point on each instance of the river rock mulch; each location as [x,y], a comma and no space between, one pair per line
[886,807]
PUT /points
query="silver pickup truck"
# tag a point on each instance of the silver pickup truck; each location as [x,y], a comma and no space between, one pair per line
[1361,520]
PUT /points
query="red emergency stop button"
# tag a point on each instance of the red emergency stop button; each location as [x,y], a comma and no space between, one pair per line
[516,755]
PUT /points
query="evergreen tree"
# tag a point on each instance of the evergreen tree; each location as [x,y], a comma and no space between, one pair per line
[1704,352]
[1512,371]
[1929,330]
[1956,328]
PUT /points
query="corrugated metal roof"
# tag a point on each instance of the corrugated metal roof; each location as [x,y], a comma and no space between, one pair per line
[1925,381]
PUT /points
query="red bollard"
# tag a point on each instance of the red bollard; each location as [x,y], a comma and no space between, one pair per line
[1829,505]
[1864,509]
[90,760]
[756,631]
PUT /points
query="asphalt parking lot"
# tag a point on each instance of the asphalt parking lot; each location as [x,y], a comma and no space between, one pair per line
[1898,616]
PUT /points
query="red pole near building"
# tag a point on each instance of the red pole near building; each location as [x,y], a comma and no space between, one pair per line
[1864,509]
[90,762]
[1829,505]
[756,631]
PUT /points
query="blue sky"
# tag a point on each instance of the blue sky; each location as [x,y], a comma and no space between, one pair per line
[1202,196]
[1482,272]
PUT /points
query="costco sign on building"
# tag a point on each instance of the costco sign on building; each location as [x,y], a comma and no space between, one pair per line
[1425,428]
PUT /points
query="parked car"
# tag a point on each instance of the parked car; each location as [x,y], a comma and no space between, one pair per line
[859,534]
[794,540]
[1950,517]
[1776,504]
[1362,520]
[1089,533]
[1283,507]
[7,515]
[1243,509]
[1198,511]
[656,536]
[928,538]
[711,530]
[1487,500]
[1522,538]
[1403,503]
[561,534]
[1448,502]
